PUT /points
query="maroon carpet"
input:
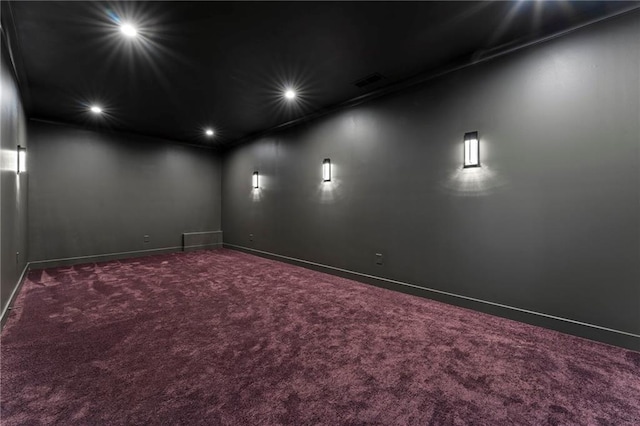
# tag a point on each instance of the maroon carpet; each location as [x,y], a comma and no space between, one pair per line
[222,337]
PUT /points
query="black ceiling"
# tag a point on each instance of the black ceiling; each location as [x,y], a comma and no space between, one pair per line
[225,64]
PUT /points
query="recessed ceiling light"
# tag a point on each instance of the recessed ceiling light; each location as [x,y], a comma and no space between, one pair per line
[209,132]
[289,94]
[96,109]
[128,30]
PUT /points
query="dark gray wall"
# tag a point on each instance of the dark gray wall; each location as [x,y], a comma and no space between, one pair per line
[550,223]
[13,187]
[96,194]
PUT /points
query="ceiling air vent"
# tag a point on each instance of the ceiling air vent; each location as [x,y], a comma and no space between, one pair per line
[369,80]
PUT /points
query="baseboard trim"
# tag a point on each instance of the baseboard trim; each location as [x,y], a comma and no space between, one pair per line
[565,325]
[14,294]
[105,257]
[67,261]
[201,246]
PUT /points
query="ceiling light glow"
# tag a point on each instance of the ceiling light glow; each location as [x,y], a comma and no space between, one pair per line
[96,109]
[209,132]
[128,30]
[290,94]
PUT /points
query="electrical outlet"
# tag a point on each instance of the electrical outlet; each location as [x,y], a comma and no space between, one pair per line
[378,258]
[145,238]
[251,237]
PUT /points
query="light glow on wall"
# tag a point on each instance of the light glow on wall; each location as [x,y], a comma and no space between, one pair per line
[471,150]
[326,170]
[254,180]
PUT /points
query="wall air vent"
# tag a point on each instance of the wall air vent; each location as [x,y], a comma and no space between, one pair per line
[369,80]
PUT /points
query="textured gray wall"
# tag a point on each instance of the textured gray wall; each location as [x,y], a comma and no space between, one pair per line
[99,193]
[550,223]
[13,187]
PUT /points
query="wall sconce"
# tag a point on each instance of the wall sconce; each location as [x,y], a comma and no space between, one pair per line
[254,180]
[471,150]
[326,170]
[22,159]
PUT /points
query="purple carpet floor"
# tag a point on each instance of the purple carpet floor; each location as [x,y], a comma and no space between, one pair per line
[223,337]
